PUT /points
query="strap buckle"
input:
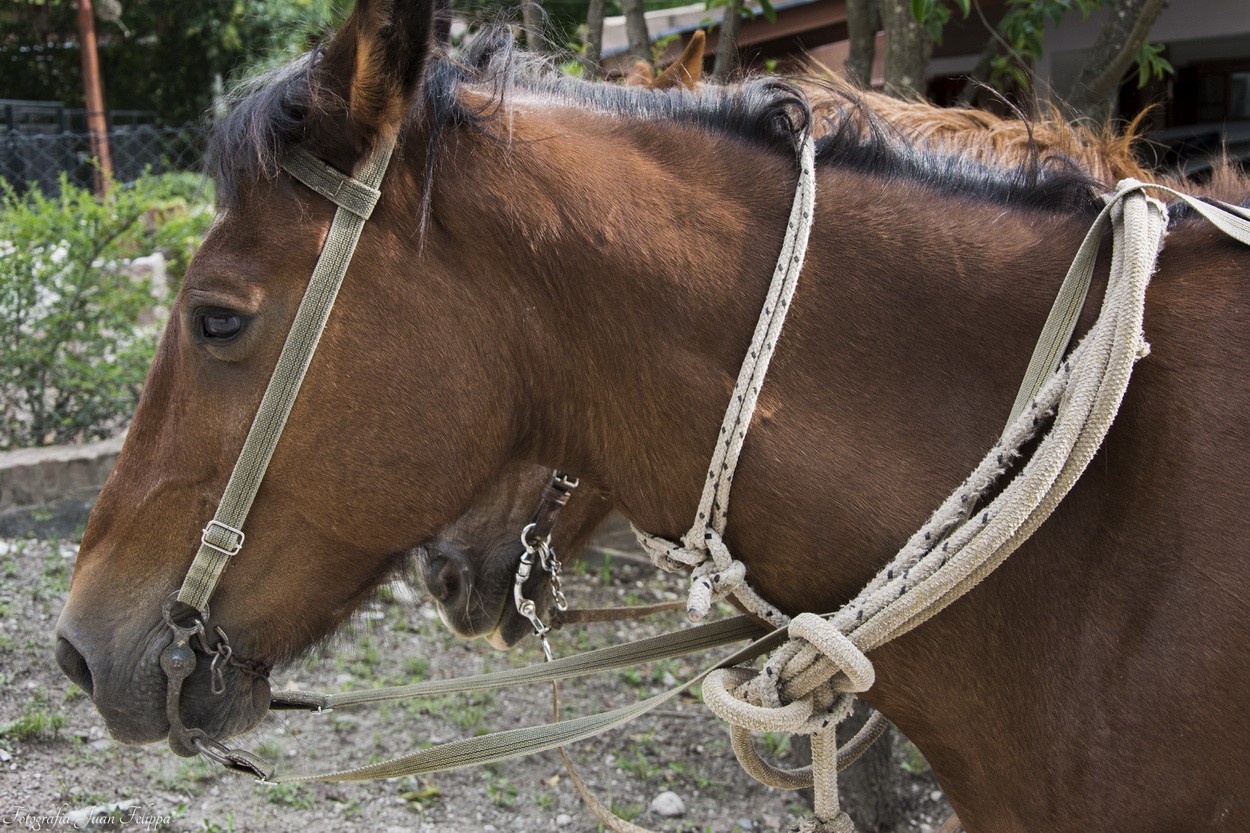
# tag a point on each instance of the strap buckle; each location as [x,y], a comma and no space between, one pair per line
[238,533]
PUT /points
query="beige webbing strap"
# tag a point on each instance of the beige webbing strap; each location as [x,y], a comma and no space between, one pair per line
[223,537]
[1061,322]
[665,646]
[516,743]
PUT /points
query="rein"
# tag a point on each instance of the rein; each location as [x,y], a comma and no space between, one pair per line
[819,661]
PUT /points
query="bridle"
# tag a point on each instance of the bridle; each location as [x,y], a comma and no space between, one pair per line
[538,551]
[536,541]
[186,613]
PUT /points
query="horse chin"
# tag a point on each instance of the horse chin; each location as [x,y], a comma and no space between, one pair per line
[512,627]
[240,708]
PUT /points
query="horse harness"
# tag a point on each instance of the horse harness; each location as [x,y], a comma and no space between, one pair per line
[818,662]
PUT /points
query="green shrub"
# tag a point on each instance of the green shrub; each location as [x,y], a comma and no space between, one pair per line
[73,348]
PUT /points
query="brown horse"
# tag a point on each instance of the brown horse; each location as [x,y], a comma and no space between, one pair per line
[510,300]
[683,73]
[469,567]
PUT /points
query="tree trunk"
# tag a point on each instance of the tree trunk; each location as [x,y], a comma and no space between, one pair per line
[636,30]
[870,790]
[727,42]
[93,91]
[532,21]
[863,19]
[1121,36]
[980,73]
[908,48]
[594,38]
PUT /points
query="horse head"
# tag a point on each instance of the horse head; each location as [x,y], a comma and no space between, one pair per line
[358,478]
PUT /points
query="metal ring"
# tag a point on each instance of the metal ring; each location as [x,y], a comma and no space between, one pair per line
[533,546]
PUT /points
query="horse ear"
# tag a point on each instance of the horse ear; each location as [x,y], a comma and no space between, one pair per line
[687,69]
[639,75]
[376,62]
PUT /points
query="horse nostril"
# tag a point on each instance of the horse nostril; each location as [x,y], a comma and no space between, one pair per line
[73,664]
[444,578]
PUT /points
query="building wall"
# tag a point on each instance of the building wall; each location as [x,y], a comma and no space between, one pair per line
[1193,29]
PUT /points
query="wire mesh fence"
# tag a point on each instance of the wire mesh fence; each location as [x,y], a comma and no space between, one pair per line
[37,160]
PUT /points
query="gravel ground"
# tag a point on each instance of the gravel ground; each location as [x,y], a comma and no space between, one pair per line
[59,770]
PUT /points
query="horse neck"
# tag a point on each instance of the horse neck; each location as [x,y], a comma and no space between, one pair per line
[902,351]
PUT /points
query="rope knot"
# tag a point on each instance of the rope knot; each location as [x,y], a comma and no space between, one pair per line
[835,647]
[841,823]
[716,572]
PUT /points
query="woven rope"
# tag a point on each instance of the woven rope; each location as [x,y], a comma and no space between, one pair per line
[807,684]
[716,572]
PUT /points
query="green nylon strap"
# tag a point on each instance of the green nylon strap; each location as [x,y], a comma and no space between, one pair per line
[356,195]
[223,537]
[665,646]
[1061,322]
[516,743]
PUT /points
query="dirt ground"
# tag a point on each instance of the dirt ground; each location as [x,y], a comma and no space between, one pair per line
[59,770]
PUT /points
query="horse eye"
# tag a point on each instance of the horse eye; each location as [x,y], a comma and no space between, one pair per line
[219,325]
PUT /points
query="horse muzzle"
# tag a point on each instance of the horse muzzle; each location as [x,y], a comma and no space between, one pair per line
[473,591]
[130,689]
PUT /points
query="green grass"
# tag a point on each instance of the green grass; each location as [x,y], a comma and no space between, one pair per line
[629,812]
[418,668]
[639,765]
[36,722]
[499,789]
[298,796]
[913,762]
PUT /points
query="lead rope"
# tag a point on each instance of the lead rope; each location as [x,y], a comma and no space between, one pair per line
[807,685]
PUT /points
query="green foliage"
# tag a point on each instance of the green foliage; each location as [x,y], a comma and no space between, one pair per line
[72,352]
[1022,32]
[1151,63]
[933,15]
[160,55]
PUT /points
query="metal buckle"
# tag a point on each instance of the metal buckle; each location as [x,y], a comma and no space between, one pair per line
[228,552]
[565,481]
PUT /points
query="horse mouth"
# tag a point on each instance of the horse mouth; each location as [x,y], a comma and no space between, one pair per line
[130,691]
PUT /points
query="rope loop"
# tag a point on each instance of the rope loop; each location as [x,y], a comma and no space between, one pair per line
[840,823]
[836,647]
[721,695]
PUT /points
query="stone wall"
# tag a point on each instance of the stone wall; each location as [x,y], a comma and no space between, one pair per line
[50,490]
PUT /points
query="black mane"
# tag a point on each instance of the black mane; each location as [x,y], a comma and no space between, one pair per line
[269,114]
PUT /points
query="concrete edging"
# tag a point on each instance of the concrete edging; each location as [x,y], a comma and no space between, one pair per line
[50,490]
